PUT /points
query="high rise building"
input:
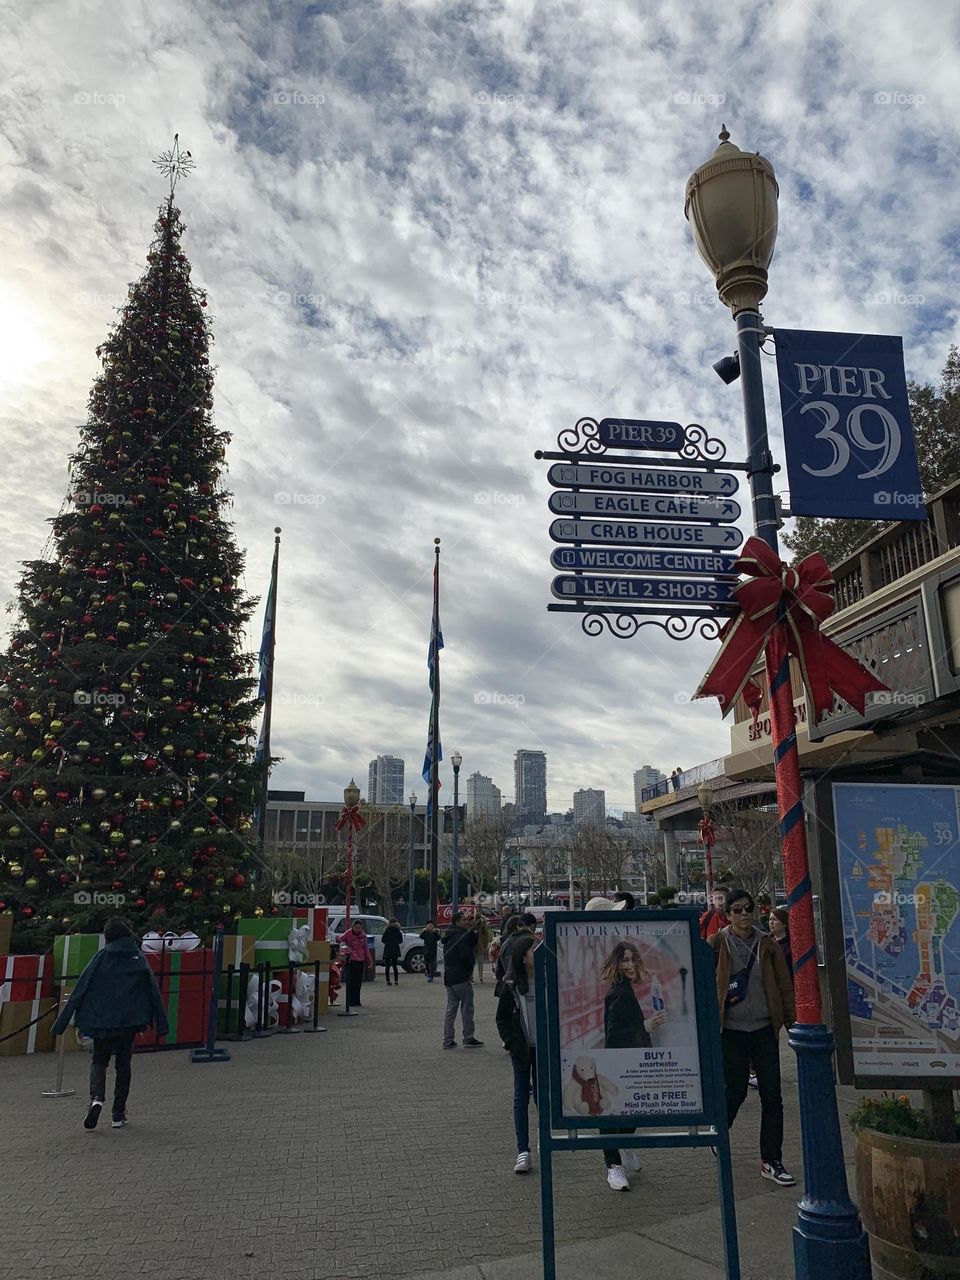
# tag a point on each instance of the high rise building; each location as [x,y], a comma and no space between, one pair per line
[645,776]
[483,798]
[589,808]
[385,781]
[530,784]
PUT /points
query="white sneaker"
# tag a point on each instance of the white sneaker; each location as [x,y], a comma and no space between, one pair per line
[617,1179]
[524,1163]
[631,1161]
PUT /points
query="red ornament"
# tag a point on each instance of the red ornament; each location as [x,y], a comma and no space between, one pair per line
[239,880]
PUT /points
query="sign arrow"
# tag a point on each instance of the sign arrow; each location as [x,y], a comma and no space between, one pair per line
[635,433]
[639,560]
[641,534]
[657,506]
[644,590]
[590,475]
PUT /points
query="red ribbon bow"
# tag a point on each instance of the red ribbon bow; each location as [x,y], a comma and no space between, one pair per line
[350,818]
[706,832]
[796,600]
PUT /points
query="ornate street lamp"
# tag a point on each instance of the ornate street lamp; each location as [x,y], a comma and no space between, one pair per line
[731,204]
[456,760]
[411,878]
[350,818]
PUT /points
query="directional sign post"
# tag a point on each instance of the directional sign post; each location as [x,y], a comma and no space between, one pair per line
[636,559]
[626,532]
[635,433]
[652,506]
[642,479]
[642,590]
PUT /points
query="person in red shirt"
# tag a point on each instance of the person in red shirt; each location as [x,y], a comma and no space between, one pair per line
[714,918]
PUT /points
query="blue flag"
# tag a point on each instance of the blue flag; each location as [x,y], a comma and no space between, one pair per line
[266,639]
[434,752]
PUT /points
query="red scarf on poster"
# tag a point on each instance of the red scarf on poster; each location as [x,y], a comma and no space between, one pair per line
[589,1092]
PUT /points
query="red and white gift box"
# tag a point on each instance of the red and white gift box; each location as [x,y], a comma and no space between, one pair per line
[26,977]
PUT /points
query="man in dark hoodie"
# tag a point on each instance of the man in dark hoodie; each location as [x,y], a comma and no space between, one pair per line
[115,997]
[459,957]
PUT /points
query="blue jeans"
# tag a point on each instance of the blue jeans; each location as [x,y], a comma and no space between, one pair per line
[524,1084]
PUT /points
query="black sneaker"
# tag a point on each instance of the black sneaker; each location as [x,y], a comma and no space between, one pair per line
[473,1044]
[451,1045]
[93,1114]
[777,1173]
[119,1120]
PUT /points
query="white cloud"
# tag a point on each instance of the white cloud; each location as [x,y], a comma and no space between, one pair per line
[475,238]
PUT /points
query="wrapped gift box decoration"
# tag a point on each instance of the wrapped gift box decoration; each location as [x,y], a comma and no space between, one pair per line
[270,936]
[316,918]
[14,1017]
[72,952]
[185,979]
[26,978]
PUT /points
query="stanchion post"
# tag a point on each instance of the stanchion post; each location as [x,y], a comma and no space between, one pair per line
[228,1002]
[243,983]
[316,999]
[346,1011]
[259,1030]
[58,1091]
[210,1053]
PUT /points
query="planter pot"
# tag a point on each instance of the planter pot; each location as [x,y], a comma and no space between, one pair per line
[909,1195]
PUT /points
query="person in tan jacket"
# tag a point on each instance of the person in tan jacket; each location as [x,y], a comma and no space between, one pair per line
[755,995]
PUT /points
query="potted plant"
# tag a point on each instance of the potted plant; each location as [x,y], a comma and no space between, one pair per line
[908,1185]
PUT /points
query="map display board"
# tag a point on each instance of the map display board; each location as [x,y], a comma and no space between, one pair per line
[898,849]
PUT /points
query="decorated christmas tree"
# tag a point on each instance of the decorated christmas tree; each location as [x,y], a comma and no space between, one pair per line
[126,771]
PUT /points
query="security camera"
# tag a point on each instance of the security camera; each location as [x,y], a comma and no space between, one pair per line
[728,368]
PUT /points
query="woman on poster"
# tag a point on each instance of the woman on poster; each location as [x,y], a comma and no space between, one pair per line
[626,1026]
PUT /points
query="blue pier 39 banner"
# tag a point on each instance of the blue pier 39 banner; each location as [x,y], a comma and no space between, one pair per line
[846,426]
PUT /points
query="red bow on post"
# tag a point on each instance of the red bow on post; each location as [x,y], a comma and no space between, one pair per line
[706,832]
[798,600]
[350,818]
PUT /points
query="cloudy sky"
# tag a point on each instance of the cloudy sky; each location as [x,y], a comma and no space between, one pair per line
[434,235]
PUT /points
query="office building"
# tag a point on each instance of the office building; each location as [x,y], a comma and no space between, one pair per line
[385,781]
[589,808]
[530,784]
[483,798]
[645,776]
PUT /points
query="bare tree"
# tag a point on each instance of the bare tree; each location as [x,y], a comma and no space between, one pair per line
[601,856]
[381,848]
[543,862]
[748,846]
[483,843]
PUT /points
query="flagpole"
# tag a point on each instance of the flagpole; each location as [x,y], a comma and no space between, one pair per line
[268,700]
[435,733]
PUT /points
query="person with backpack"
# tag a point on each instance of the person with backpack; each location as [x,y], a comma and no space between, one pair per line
[500,953]
[518,982]
[430,937]
[392,939]
[115,997]
[755,995]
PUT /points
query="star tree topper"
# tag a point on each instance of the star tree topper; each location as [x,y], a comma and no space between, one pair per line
[175,163]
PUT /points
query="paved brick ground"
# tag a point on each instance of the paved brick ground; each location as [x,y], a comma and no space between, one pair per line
[367,1151]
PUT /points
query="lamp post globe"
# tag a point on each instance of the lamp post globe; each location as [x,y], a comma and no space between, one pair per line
[731,204]
[351,795]
[705,796]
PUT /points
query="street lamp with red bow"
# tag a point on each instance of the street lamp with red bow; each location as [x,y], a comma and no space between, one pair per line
[351,818]
[707,835]
[731,203]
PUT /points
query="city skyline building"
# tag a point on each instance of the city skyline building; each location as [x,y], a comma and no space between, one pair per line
[589,807]
[646,776]
[484,799]
[385,780]
[530,784]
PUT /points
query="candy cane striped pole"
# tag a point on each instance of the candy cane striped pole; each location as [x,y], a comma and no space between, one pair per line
[793,834]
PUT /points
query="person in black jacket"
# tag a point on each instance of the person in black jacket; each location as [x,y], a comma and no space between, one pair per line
[459,957]
[430,937]
[392,939]
[115,997]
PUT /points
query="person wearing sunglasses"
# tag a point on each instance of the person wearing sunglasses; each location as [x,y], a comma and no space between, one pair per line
[755,994]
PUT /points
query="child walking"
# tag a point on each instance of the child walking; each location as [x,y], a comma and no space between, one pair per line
[116,997]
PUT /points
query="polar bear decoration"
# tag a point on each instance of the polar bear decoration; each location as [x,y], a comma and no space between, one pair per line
[272,1002]
[303,997]
[297,940]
